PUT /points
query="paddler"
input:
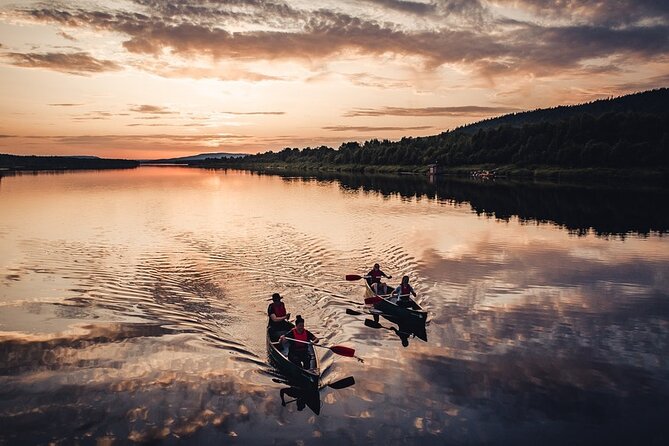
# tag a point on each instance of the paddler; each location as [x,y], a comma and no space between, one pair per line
[403,292]
[300,353]
[374,276]
[278,317]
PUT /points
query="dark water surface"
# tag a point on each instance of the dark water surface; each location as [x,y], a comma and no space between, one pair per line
[133,309]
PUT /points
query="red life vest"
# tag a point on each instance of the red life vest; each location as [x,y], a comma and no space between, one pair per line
[405,290]
[375,276]
[300,337]
[279,309]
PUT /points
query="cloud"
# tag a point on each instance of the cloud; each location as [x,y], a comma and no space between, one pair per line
[234,73]
[467,110]
[81,64]
[65,105]
[371,80]
[406,6]
[643,84]
[94,116]
[365,129]
[475,35]
[152,109]
[621,12]
[67,36]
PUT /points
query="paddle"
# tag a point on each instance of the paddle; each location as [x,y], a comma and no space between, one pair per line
[355,277]
[338,349]
[372,312]
[373,300]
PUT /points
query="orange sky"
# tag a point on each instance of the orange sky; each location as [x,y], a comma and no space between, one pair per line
[149,79]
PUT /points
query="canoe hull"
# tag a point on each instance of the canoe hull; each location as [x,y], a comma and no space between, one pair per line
[296,375]
[391,309]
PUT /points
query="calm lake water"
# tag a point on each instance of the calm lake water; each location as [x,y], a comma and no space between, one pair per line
[133,309]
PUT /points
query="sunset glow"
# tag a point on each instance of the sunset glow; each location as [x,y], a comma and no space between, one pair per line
[146,79]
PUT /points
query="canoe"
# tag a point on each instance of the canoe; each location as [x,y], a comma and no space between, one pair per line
[296,375]
[387,306]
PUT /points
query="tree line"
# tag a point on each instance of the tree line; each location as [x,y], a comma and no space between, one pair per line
[19,162]
[632,131]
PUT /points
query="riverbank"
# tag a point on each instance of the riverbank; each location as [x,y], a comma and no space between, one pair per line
[630,175]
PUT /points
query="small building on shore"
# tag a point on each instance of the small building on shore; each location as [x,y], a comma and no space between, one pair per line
[433,169]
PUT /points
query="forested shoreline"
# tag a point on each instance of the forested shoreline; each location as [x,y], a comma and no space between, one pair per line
[18,163]
[631,132]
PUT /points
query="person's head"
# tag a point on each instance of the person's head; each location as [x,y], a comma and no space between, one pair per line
[299,322]
[405,280]
[276,297]
[376,266]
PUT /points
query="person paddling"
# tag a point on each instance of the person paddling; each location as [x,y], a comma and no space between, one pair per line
[277,315]
[300,353]
[374,276]
[403,291]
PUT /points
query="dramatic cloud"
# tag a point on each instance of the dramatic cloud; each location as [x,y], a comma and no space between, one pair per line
[468,110]
[81,64]
[193,28]
[620,12]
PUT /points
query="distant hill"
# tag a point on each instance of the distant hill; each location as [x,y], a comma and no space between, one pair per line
[654,102]
[200,157]
[19,162]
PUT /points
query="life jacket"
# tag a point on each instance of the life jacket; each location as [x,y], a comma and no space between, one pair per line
[375,276]
[405,290]
[300,337]
[279,309]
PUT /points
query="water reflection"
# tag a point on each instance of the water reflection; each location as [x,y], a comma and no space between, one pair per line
[404,329]
[309,397]
[605,209]
[133,309]
[302,398]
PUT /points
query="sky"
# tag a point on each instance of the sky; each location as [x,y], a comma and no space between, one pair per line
[148,79]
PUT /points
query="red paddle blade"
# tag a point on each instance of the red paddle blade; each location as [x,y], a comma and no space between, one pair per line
[353,277]
[344,351]
[372,300]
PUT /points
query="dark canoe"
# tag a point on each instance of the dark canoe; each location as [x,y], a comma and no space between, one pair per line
[387,307]
[297,376]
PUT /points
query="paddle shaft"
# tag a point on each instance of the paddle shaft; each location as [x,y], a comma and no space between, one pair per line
[305,342]
[338,349]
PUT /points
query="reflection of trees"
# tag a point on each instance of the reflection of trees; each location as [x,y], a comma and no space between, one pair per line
[604,209]
[607,211]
